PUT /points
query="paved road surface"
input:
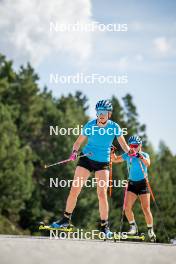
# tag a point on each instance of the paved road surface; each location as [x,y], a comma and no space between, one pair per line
[36,250]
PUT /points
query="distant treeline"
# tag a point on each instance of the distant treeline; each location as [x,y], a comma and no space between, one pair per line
[26,114]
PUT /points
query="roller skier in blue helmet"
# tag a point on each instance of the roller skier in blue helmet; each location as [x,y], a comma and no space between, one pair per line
[137,164]
[99,133]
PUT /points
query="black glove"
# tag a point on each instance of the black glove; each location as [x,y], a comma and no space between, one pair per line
[139,155]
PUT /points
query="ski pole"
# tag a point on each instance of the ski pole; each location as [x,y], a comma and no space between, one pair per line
[147,182]
[123,209]
[154,201]
[113,148]
[110,178]
[125,198]
[65,161]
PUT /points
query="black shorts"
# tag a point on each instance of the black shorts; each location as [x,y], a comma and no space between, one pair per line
[92,165]
[138,187]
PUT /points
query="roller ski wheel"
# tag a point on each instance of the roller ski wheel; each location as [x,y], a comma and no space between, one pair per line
[108,236]
[153,239]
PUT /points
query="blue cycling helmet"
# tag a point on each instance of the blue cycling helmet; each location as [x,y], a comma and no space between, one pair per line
[104,105]
[135,140]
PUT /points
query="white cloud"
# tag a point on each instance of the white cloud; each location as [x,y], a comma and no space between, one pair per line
[123,63]
[139,58]
[162,45]
[136,26]
[24,26]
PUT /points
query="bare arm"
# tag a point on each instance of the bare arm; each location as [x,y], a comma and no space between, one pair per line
[116,159]
[79,142]
[123,144]
[146,161]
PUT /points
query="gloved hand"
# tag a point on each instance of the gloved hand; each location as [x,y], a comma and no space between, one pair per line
[139,155]
[74,155]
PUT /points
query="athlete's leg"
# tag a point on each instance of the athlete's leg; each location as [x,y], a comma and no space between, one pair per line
[80,177]
[130,200]
[102,177]
[145,204]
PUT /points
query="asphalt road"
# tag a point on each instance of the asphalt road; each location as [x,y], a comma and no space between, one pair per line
[36,250]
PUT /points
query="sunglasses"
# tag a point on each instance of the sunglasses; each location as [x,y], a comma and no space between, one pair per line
[134,145]
[102,112]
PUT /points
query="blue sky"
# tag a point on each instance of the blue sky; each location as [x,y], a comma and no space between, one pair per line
[146,52]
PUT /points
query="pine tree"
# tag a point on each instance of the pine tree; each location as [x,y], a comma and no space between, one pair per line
[16,168]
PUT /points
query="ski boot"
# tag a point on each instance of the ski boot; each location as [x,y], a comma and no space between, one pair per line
[151,234]
[104,228]
[133,230]
[64,223]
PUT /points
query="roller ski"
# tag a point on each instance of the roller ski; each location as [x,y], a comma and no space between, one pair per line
[126,237]
[63,225]
[131,235]
[54,226]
